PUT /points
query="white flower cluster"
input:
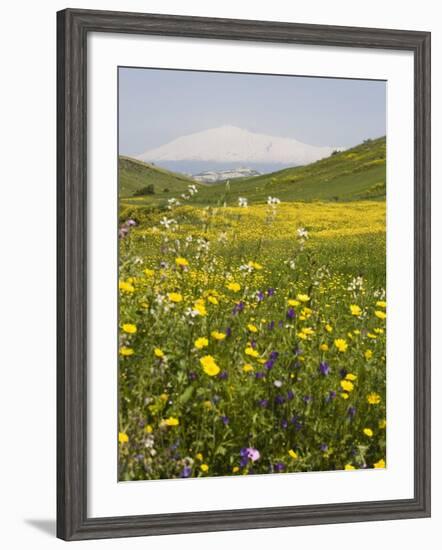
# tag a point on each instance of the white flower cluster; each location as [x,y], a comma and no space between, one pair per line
[356,284]
[273,201]
[168,223]
[243,202]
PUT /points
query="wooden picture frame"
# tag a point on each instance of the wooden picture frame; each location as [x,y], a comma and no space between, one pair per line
[73,27]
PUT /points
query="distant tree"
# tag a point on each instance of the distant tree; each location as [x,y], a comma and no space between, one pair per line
[147,190]
[335,152]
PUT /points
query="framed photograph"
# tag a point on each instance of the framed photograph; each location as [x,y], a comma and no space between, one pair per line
[243,274]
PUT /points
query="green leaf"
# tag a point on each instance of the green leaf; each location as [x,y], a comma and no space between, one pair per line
[186,395]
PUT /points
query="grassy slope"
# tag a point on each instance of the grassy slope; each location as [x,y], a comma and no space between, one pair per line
[355,174]
[135,174]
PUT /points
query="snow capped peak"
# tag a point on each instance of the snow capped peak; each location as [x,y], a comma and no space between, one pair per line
[232,144]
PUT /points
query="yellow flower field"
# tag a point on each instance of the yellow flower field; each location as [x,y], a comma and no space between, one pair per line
[252,339]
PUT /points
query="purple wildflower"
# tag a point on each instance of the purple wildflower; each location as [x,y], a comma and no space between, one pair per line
[186,471]
[284,423]
[274,355]
[351,411]
[228,332]
[330,396]
[271,325]
[324,368]
[131,223]
[307,398]
[270,291]
[290,395]
[238,308]
[323,447]
[249,453]
[263,403]
[225,420]
[279,467]
[259,375]
[260,296]
[343,373]
[223,375]
[291,313]
[279,399]
[269,364]
[192,375]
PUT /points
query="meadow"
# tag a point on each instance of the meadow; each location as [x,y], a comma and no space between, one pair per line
[252,334]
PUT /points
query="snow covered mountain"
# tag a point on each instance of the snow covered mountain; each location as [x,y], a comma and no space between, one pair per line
[233,144]
[213,176]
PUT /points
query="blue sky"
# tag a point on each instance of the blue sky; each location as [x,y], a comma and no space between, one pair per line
[157,105]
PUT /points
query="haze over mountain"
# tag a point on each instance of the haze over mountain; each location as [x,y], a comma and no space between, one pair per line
[229,147]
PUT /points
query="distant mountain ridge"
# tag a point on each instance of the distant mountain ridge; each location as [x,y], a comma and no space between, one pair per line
[214,176]
[233,144]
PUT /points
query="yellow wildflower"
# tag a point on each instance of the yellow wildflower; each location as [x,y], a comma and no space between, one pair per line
[355,310]
[303,297]
[351,376]
[349,467]
[218,335]
[250,351]
[323,347]
[341,344]
[247,367]
[126,287]
[293,303]
[372,336]
[149,272]
[171,421]
[181,262]
[293,454]
[368,432]
[255,265]
[175,297]
[234,287]
[123,437]
[328,328]
[201,342]
[148,429]
[347,385]
[204,468]
[158,352]
[308,331]
[235,469]
[380,314]
[126,351]
[373,398]
[380,464]
[344,395]
[209,365]
[381,304]
[200,307]
[213,300]
[199,456]
[130,328]
[382,424]
[252,328]
[368,354]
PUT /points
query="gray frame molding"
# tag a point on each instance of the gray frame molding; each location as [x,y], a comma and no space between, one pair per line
[72,29]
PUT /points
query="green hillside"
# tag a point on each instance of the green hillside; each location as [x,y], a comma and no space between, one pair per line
[356,174]
[135,175]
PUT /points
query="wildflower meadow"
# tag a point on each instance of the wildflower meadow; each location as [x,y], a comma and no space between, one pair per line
[252,336]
